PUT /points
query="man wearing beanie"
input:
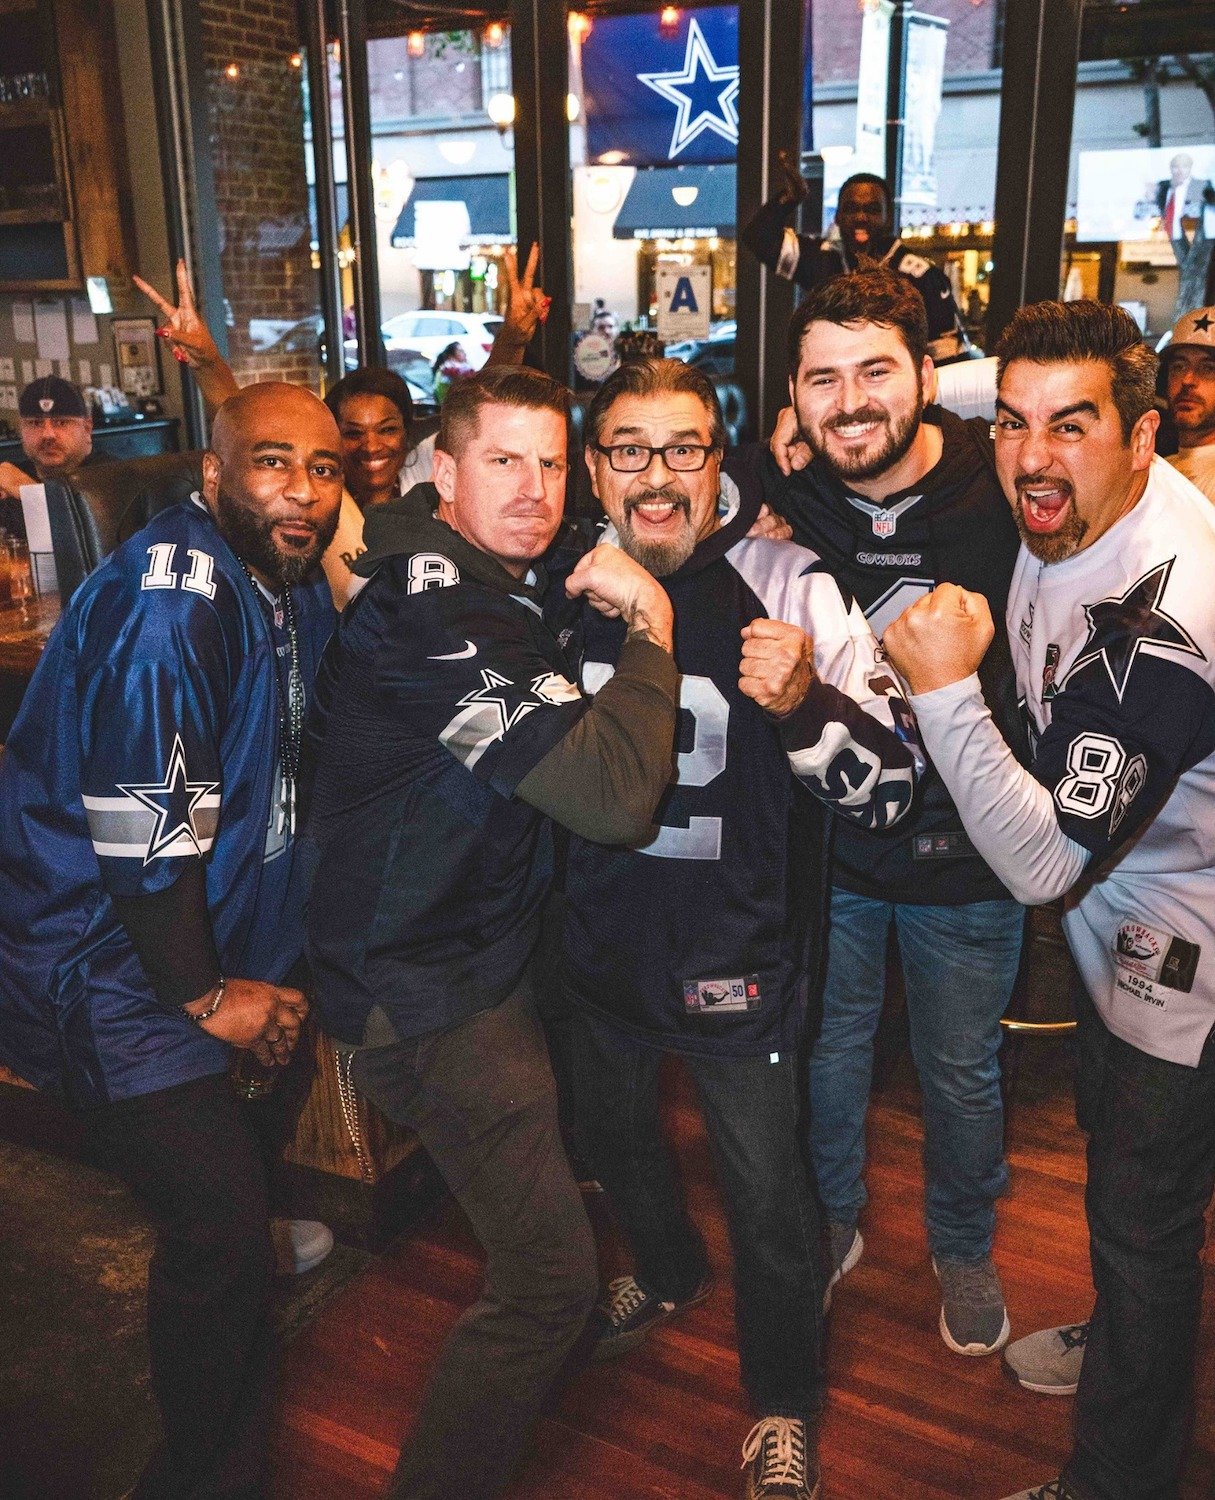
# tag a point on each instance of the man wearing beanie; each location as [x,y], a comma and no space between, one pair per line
[56,433]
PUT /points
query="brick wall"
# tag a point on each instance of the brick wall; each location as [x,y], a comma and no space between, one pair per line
[837,36]
[257,125]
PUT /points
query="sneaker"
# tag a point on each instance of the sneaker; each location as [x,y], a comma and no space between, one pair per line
[1053,1489]
[630,1313]
[300,1244]
[781,1461]
[973,1316]
[846,1249]
[1049,1361]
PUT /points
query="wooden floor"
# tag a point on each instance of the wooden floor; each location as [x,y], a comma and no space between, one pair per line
[907,1419]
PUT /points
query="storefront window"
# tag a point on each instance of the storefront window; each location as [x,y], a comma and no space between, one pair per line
[653,143]
[1141,206]
[256,117]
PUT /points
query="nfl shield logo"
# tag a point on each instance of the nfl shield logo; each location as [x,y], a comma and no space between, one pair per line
[884,523]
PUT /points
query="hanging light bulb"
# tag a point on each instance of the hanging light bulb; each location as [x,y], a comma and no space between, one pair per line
[579,26]
[232,71]
[501,110]
[668,19]
[415,43]
[495,35]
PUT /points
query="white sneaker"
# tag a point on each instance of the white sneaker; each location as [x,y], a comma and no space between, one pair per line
[300,1244]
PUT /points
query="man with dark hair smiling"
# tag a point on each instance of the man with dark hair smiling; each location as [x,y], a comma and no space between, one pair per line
[449,736]
[151,897]
[896,500]
[1112,622]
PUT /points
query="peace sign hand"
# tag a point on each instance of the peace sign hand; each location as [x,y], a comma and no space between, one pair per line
[526,304]
[187,334]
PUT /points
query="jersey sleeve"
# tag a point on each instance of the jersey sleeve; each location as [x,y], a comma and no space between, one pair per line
[465,668]
[853,740]
[154,672]
[1107,761]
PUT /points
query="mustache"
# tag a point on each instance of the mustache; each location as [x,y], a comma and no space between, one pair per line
[847,418]
[668,495]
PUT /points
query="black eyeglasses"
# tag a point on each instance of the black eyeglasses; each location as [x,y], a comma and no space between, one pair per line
[635,458]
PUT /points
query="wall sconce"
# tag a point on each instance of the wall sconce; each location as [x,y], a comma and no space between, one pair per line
[415,44]
[668,19]
[501,110]
[495,35]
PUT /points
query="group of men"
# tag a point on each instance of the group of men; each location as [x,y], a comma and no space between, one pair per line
[721,723]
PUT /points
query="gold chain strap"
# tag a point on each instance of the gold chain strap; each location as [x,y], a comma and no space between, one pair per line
[351,1111]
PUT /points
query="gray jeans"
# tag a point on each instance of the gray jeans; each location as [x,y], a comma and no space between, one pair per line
[482,1101]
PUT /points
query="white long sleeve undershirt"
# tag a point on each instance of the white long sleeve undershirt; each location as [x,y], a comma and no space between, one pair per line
[1009,816]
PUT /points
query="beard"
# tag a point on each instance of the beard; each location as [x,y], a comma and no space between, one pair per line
[1054,546]
[864,463]
[664,557]
[250,534]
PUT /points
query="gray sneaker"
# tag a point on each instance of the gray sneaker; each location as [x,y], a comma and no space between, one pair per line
[1053,1489]
[974,1319]
[1049,1361]
[847,1246]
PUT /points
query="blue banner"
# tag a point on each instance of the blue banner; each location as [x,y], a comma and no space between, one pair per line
[660,95]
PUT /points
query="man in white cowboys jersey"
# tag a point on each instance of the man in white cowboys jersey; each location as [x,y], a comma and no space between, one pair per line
[896,499]
[1113,628]
[449,736]
[701,940]
[152,894]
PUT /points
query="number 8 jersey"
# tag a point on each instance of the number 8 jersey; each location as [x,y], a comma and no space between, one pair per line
[702,940]
[1114,658]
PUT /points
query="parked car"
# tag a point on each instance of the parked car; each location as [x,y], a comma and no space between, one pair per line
[714,355]
[429,333]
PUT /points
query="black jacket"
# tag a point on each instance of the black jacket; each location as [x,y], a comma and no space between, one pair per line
[960,530]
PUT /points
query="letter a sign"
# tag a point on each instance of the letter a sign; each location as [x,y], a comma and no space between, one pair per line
[685,301]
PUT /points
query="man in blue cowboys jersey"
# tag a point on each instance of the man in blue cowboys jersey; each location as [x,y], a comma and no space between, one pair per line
[151,898]
[1113,629]
[450,735]
[700,940]
[896,499]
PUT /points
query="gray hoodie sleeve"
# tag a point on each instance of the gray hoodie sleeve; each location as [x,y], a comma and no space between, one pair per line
[603,779]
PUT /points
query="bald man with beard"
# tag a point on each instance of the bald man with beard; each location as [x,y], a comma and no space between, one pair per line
[151,897]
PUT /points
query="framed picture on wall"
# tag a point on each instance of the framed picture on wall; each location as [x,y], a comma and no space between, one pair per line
[137,357]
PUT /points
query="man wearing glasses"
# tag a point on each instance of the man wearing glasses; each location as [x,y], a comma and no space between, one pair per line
[701,940]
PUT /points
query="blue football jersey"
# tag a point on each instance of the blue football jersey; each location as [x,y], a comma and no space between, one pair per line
[149,736]
[703,939]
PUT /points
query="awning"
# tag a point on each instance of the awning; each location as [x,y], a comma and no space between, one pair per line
[486,197]
[342,193]
[678,202]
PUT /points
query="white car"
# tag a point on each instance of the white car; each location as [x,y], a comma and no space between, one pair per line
[431,332]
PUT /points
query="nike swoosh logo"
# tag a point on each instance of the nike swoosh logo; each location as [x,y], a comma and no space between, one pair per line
[469,650]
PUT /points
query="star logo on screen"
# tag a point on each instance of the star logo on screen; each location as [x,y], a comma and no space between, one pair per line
[175,803]
[705,94]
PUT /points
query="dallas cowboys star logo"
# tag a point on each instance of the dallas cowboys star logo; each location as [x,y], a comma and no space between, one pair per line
[1203,324]
[174,802]
[1119,628]
[508,700]
[704,92]
[488,712]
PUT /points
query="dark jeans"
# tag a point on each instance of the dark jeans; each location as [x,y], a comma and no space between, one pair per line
[751,1108]
[190,1157]
[482,1101]
[1151,1172]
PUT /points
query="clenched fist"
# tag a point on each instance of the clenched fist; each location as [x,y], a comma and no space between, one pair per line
[777,665]
[941,639]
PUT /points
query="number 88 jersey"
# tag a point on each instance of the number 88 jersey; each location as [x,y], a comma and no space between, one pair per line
[1114,650]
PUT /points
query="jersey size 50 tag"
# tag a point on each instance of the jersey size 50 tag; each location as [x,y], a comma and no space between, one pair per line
[701,995]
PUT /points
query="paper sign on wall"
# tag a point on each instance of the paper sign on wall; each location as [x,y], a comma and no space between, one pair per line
[685,302]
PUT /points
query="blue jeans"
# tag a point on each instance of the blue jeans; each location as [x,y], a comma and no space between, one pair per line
[959,965]
[1151,1173]
[751,1108]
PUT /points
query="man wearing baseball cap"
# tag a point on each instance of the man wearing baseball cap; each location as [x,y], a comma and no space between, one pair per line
[1189,375]
[56,433]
